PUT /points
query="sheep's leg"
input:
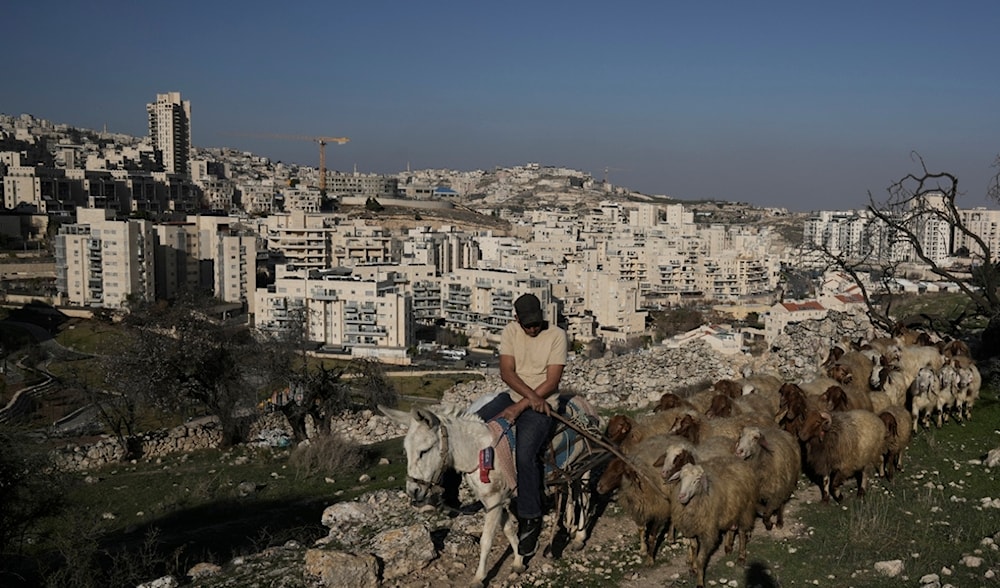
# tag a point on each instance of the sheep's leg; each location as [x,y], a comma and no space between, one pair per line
[730,540]
[780,511]
[692,551]
[862,479]
[824,489]
[650,535]
[741,558]
[705,548]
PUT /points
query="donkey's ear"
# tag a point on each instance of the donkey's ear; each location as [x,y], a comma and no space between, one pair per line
[426,417]
[397,416]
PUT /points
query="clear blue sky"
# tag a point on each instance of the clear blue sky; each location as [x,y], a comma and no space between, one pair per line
[800,104]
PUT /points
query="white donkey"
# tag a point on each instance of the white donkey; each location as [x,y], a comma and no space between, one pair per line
[444,437]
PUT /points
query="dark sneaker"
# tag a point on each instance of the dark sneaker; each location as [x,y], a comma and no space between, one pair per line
[528,531]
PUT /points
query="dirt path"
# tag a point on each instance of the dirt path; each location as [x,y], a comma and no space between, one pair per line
[611,549]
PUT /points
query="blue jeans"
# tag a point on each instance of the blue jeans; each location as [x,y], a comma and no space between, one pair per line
[532,430]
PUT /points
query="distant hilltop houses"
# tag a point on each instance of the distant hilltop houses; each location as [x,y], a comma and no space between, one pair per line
[147,218]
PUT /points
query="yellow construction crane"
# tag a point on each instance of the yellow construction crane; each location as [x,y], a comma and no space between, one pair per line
[322,141]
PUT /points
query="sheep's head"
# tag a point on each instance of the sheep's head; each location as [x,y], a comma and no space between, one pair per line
[672,460]
[835,398]
[891,425]
[728,387]
[612,476]
[692,481]
[687,427]
[750,439]
[619,427]
[836,352]
[815,425]
[722,406]
[841,373]
[668,401]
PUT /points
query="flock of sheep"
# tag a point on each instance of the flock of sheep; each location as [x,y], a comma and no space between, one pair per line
[709,464]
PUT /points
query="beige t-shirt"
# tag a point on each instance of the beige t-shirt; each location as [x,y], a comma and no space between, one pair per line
[532,355]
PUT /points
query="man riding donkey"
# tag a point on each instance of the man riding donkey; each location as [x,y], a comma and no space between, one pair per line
[532,359]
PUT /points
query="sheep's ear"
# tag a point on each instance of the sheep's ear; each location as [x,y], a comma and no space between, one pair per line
[674,477]
[764,443]
[781,415]
[659,461]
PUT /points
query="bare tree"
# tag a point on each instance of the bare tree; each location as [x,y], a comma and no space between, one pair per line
[921,209]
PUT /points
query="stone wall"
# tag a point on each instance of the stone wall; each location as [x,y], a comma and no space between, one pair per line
[615,383]
[155,444]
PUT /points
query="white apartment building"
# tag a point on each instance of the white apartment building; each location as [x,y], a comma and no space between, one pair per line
[361,185]
[985,224]
[170,131]
[367,318]
[102,262]
[784,313]
[859,234]
[303,239]
[357,243]
[480,302]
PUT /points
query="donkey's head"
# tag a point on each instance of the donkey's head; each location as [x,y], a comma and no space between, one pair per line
[427,452]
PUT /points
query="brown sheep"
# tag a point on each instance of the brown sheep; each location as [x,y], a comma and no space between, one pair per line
[841,445]
[626,432]
[671,400]
[776,458]
[793,407]
[611,478]
[643,493]
[695,428]
[898,435]
[841,398]
[711,499]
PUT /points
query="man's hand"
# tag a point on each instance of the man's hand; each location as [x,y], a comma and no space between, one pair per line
[513,411]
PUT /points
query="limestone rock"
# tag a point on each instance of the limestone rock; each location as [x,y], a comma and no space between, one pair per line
[342,570]
[404,550]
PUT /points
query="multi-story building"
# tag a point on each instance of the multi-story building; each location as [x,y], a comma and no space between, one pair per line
[101,262]
[366,318]
[170,131]
[985,224]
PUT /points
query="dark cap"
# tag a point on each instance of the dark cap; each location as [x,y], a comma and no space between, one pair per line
[528,309]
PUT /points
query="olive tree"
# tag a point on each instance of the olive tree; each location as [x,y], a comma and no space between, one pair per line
[177,358]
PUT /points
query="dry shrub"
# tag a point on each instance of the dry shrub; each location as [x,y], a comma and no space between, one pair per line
[325,455]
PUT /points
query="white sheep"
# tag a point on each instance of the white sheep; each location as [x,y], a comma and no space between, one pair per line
[711,499]
[948,391]
[777,460]
[923,396]
[969,383]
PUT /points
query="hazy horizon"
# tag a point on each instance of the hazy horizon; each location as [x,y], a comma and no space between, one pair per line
[781,104]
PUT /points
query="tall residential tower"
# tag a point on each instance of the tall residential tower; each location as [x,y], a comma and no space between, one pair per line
[170,130]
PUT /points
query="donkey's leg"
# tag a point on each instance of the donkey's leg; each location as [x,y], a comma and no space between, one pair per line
[580,508]
[494,518]
[510,531]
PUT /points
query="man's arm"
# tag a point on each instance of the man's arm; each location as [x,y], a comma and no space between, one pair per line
[535,398]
